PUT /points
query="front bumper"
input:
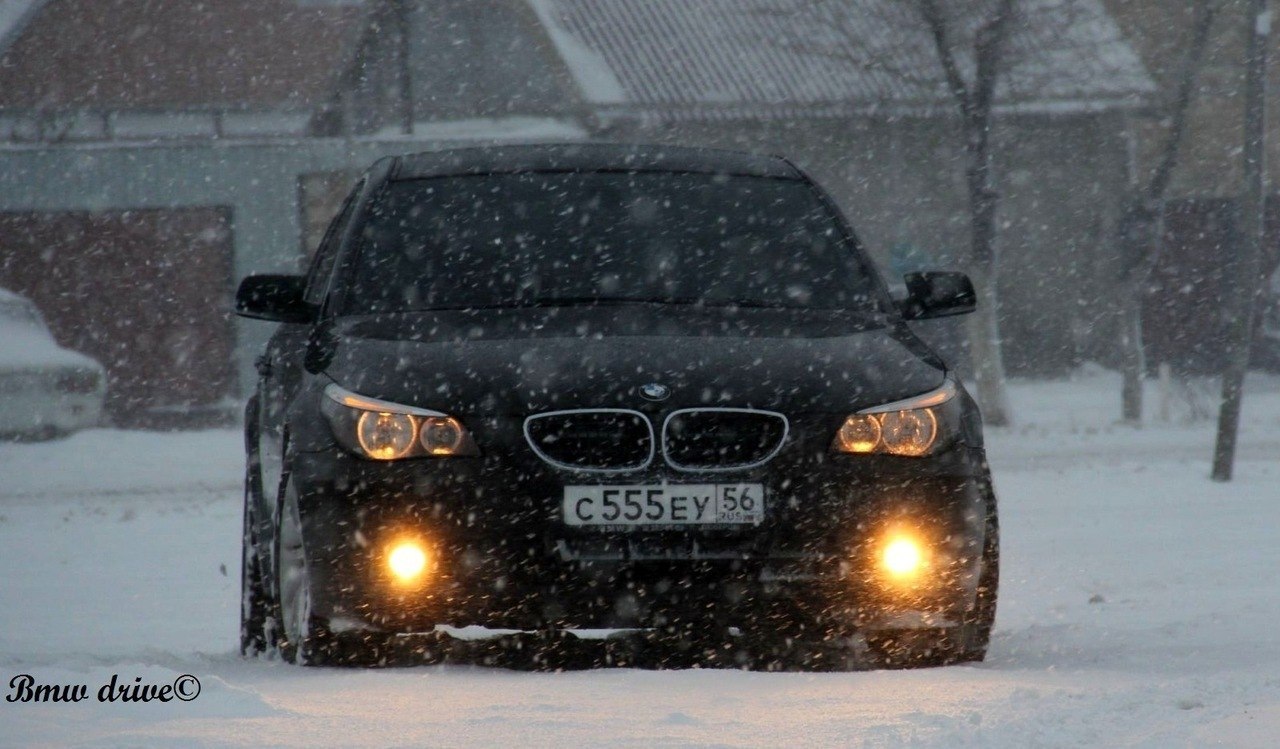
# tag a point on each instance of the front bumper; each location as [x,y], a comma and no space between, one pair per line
[501,555]
[34,405]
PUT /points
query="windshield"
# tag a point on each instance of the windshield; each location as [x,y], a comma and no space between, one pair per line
[546,239]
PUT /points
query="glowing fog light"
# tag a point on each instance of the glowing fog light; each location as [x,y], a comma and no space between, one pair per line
[407,561]
[902,557]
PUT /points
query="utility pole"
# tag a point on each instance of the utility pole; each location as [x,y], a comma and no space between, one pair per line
[404,66]
[1247,278]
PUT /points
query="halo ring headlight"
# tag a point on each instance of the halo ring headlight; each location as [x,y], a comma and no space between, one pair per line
[910,433]
[859,434]
[383,430]
[441,435]
[386,436]
[910,427]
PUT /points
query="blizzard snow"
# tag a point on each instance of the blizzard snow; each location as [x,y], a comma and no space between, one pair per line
[1139,607]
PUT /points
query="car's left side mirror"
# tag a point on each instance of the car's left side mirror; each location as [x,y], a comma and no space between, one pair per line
[933,294]
[274,297]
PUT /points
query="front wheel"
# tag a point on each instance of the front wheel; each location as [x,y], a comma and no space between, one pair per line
[305,638]
[255,601]
[298,635]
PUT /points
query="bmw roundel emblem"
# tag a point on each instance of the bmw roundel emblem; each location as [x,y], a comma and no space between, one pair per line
[655,391]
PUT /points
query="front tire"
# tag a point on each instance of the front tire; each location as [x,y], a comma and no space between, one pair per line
[305,638]
[298,634]
[255,602]
[255,605]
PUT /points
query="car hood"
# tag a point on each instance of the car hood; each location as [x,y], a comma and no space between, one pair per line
[528,360]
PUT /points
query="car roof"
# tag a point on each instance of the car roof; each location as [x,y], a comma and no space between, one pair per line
[9,297]
[590,157]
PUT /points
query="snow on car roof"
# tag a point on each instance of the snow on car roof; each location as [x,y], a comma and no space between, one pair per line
[9,296]
[29,345]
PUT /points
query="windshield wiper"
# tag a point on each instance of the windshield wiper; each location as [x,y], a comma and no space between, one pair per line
[575,301]
[605,301]
[563,301]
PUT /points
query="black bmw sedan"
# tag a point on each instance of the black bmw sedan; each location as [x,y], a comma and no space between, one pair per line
[558,388]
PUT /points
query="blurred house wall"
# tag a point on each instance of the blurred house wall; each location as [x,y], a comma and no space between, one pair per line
[269,129]
[142,290]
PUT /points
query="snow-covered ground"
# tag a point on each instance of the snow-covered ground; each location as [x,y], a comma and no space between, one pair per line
[1140,607]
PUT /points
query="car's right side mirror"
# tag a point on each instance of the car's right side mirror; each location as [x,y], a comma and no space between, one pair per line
[274,297]
[933,294]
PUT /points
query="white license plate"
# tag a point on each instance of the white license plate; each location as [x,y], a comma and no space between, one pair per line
[664,504]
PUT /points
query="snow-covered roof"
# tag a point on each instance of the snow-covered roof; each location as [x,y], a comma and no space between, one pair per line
[516,128]
[675,59]
[114,55]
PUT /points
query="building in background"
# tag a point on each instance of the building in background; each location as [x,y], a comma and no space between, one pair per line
[152,152]
[1182,313]
[123,216]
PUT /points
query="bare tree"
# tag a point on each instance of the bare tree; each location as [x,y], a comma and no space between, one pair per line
[965,56]
[974,99]
[1138,236]
[1247,265]
[968,40]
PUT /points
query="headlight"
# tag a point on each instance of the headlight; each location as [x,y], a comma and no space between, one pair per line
[78,381]
[383,430]
[911,427]
[385,436]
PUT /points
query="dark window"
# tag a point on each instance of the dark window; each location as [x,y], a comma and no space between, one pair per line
[327,253]
[554,238]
